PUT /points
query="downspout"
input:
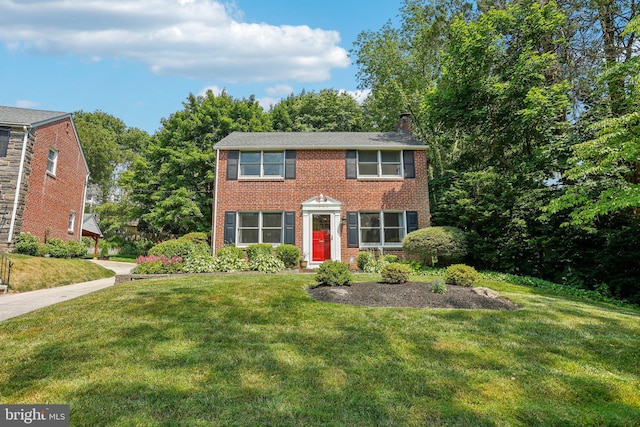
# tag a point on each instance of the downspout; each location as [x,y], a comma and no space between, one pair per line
[84,203]
[23,155]
[214,233]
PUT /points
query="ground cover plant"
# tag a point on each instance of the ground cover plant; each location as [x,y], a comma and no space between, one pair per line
[30,273]
[255,349]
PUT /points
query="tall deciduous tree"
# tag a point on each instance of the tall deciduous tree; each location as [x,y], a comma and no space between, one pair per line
[172,182]
[326,111]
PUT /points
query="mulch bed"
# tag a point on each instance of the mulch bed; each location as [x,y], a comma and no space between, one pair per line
[412,294]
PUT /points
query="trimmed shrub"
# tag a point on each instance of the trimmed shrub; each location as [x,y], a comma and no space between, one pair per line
[230,251]
[43,249]
[367,262]
[435,245]
[334,273]
[289,255]
[27,244]
[395,273]
[196,237]
[391,258]
[75,249]
[266,263]
[461,274]
[57,248]
[259,248]
[439,287]
[181,247]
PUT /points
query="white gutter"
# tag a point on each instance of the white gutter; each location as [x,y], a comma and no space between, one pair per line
[215,206]
[84,203]
[20,171]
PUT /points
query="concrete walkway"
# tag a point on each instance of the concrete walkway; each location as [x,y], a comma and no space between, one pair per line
[12,305]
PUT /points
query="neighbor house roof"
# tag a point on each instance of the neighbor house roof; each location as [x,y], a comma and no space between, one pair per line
[26,117]
[319,140]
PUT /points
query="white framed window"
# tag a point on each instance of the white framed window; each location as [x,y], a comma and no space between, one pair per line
[262,164]
[382,228]
[52,161]
[72,221]
[380,163]
[260,227]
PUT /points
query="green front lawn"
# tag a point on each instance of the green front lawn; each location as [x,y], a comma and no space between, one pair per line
[251,349]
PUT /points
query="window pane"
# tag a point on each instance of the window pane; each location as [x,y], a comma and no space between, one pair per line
[274,157]
[248,235]
[272,235]
[392,219]
[371,235]
[390,156]
[272,220]
[368,156]
[273,170]
[249,157]
[368,169]
[248,219]
[391,169]
[250,170]
[370,220]
[392,235]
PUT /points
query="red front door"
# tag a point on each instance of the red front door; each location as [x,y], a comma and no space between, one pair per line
[321,238]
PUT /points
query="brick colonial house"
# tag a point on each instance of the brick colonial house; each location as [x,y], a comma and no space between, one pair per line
[43,175]
[332,194]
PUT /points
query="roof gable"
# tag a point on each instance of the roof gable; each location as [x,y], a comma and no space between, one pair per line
[26,117]
[319,140]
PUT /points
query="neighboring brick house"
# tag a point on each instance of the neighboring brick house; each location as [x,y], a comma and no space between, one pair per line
[332,194]
[43,175]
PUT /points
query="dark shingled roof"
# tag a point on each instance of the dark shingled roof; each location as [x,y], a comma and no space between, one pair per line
[26,117]
[319,140]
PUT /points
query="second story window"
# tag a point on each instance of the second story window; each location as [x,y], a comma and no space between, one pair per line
[52,161]
[262,164]
[380,163]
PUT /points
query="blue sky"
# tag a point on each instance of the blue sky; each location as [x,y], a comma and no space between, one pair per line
[139,59]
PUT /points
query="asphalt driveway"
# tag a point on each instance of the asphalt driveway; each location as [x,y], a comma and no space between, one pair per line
[12,305]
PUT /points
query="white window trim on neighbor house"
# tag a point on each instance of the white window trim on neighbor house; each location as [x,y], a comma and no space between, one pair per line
[52,161]
[72,222]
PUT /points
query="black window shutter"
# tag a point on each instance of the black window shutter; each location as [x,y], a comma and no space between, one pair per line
[409,164]
[290,164]
[352,164]
[352,229]
[4,141]
[412,221]
[229,227]
[290,228]
[232,165]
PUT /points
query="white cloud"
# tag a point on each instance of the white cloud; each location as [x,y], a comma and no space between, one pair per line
[359,95]
[215,89]
[279,90]
[190,38]
[23,103]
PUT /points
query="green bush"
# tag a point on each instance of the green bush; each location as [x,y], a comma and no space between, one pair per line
[439,287]
[27,244]
[181,247]
[228,263]
[266,263]
[364,259]
[43,249]
[289,255]
[435,245]
[196,237]
[57,248]
[75,249]
[391,258]
[334,273]
[395,273]
[367,262]
[135,248]
[155,264]
[461,274]
[259,248]
[230,251]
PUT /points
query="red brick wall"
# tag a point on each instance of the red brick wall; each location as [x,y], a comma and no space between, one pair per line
[50,199]
[323,172]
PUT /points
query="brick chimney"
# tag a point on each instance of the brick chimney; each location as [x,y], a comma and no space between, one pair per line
[404,125]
